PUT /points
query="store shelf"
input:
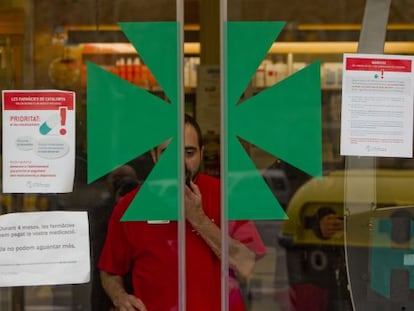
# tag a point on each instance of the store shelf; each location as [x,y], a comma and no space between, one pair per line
[193,48]
[190,48]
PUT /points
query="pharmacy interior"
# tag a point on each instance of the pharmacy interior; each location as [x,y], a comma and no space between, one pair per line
[337,212]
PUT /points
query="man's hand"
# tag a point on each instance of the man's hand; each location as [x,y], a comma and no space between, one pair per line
[126,302]
[114,286]
[330,224]
[194,212]
[241,259]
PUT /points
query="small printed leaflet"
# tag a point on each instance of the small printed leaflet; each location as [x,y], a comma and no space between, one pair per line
[38,141]
[377,105]
[44,248]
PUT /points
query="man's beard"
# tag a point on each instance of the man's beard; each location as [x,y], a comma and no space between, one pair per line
[192,174]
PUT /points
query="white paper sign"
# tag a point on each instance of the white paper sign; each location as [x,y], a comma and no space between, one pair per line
[38,141]
[377,105]
[44,248]
[208,98]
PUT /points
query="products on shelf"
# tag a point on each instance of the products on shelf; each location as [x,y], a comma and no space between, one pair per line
[260,76]
[134,71]
[331,75]
[190,71]
[137,71]
[120,69]
[269,73]
[275,72]
[296,66]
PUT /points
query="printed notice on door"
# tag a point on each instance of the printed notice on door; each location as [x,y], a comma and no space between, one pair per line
[38,141]
[377,105]
[44,248]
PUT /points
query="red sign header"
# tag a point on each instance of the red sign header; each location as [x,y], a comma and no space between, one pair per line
[37,100]
[378,64]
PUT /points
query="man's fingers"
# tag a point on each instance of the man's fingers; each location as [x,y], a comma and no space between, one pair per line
[139,305]
[187,190]
[195,188]
[132,303]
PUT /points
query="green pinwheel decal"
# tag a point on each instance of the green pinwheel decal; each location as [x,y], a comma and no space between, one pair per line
[284,120]
[124,121]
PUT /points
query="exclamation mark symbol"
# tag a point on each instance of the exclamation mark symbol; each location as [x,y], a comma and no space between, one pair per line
[382,73]
[62,111]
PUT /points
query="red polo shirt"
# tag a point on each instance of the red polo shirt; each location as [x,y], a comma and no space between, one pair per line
[151,250]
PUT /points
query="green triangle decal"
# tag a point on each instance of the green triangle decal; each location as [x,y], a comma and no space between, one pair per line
[284,120]
[248,43]
[247,191]
[118,114]
[157,199]
[290,118]
[157,44]
[124,121]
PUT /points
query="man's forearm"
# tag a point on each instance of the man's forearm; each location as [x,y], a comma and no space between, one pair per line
[113,286]
[241,258]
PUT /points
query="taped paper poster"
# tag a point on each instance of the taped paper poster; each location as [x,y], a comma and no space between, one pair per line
[44,248]
[38,141]
[377,105]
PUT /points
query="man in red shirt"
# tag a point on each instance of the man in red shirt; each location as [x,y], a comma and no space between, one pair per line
[151,249]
